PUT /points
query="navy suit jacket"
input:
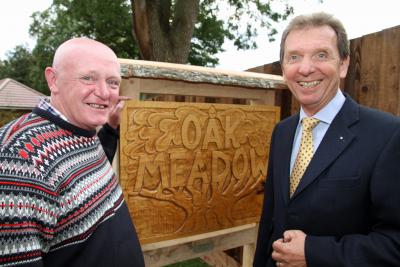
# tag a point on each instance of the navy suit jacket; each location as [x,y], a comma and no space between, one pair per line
[348,200]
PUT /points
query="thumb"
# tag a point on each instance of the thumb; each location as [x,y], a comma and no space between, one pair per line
[289,235]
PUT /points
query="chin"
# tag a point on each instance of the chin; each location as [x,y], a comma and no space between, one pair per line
[309,98]
[100,123]
[97,123]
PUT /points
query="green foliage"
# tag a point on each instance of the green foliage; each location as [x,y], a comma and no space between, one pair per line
[7,115]
[208,37]
[246,17]
[190,263]
[17,65]
[110,21]
[235,20]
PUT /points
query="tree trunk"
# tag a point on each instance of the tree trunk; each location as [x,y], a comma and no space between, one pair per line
[163,32]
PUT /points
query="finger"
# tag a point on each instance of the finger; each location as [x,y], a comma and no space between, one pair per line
[276,256]
[124,97]
[280,260]
[280,240]
[289,235]
[278,253]
[120,105]
[277,245]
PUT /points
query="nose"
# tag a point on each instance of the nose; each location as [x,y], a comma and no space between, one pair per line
[306,66]
[102,90]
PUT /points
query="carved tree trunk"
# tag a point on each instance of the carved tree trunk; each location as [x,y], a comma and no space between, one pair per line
[163,31]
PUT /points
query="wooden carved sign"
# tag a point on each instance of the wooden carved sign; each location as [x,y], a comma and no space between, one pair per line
[191,168]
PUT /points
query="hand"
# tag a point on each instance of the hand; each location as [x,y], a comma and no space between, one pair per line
[289,250]
[114,117]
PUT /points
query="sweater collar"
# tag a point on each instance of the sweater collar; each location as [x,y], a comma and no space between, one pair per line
[63,124]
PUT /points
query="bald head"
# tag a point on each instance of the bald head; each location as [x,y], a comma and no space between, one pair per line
[84,81]
[76,46]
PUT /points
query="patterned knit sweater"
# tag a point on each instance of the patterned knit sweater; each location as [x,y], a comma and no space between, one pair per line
[60,201]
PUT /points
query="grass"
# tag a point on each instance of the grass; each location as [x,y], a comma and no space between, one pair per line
[190,263]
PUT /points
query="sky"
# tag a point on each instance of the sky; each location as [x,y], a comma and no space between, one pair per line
[360,17]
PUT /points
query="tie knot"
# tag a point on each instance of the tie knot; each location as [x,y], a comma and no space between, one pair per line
[309,123]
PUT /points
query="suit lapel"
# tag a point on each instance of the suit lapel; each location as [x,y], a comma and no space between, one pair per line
[286,138]
[335,141]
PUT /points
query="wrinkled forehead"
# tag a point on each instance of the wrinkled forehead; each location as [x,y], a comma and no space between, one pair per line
[88,62]
[318,37]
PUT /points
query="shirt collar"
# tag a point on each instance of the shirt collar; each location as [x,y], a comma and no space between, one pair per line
[45,105]
[328,113]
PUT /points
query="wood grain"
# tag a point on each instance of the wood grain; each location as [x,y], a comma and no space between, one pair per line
[191,168]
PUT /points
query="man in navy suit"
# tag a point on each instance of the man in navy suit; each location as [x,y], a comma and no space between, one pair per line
[345,209]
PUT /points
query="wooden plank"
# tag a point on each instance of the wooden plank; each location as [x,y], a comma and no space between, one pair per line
[220,259]
[388,70]
[196,74]
[194,99]
[171,251]
[368,93]
[248,254]
[135,86]
[373,76]
[188,239]
[268,98]
[351,84]
[131,88]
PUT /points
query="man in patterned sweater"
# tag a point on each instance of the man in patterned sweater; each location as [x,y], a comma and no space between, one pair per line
[60,201]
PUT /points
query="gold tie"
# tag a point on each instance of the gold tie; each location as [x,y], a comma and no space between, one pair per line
[305,153]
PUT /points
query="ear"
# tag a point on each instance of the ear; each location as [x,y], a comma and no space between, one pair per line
[50,74]
[344,66]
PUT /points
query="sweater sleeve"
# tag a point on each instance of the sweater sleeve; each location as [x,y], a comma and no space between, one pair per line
[109,139]
[28,212]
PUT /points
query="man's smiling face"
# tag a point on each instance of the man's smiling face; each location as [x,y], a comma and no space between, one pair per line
[312,67]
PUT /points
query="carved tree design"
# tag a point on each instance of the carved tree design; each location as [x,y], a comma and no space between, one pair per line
[202,161]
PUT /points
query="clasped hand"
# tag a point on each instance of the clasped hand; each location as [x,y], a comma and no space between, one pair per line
[289,250]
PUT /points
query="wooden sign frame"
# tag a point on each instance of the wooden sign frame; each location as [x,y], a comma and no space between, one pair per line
[144,77]
[192,168]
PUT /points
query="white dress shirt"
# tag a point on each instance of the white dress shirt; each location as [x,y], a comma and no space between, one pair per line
[325,116]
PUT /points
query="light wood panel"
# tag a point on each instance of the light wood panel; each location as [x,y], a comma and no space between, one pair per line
[191,168]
